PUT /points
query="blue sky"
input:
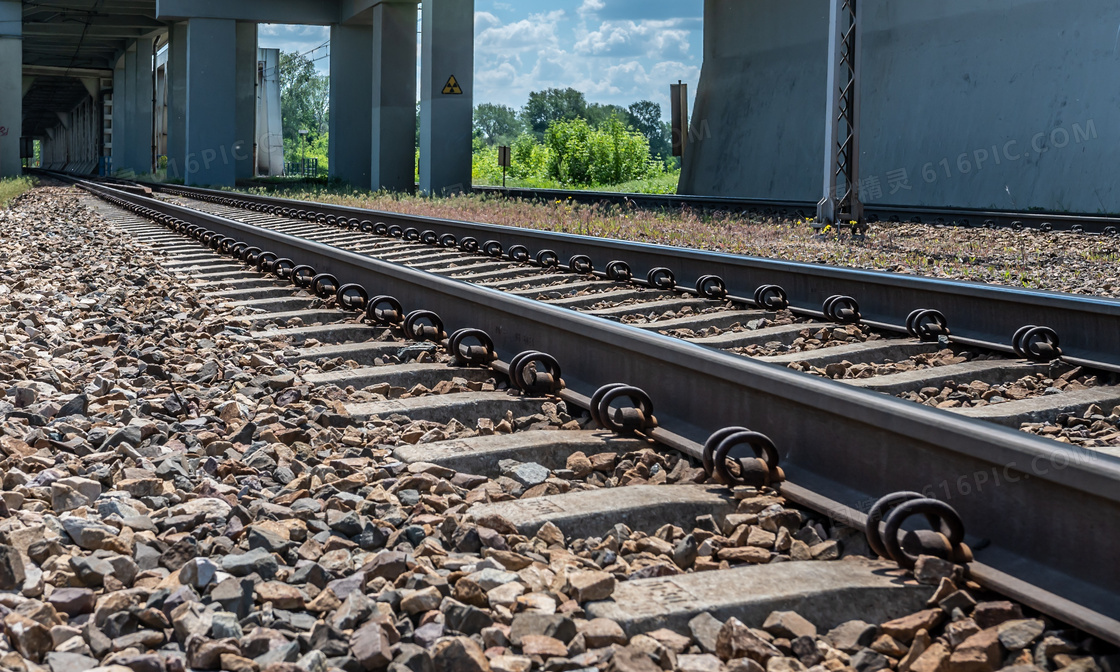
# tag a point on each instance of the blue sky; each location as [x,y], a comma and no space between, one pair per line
[615,51]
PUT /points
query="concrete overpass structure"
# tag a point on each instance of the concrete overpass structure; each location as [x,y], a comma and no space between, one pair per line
[64,64]
[1008,104]
[1002,104]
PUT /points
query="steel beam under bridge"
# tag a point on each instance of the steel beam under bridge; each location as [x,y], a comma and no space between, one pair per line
[302,12]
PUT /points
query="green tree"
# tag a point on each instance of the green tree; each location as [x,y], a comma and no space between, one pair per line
[597,114]
[551,105]
[580,155]
[304,97]
[645,117]
[496,124]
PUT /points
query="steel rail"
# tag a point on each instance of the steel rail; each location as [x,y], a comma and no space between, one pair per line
[1043,516]
[1088,327]
[965,217]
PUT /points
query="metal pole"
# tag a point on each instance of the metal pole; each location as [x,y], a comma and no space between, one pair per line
[153,159]
[841,202]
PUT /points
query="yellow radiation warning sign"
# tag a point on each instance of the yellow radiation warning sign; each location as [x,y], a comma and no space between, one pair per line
[452,88]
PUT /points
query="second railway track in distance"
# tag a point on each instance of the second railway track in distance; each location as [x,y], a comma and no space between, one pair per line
[690,343]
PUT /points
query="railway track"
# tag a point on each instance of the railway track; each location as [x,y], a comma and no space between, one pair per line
[842,348]
[975,440]
[681,376]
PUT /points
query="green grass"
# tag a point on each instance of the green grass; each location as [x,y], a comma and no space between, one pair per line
[13,187]
[666,183]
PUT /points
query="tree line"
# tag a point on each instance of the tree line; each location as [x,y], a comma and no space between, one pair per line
[557,137]
[502,125]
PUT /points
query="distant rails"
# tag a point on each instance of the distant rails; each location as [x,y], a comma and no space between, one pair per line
[960,217]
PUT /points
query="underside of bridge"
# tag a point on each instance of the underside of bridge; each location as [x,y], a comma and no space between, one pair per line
[117,85]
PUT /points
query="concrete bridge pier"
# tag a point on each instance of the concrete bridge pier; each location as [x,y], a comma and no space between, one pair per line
[11,80]
[220,100]
[446,96]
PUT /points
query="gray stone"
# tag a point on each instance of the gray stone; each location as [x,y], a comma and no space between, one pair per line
[490,578]
[198,573]
[225,625]
[130,435]
[261,539]
[528,474]
[427,634]
[370,646]
[258,561]
[73,601]
[284,653]
[869,661]
[852,636]
[465,618]
[313,661]
[412,658]
[550,625]
[1019,634]
[12,571]
[70,662]
[789,624]
[76,406]
[92,571]
[125,569]
[705,629]
[87,534]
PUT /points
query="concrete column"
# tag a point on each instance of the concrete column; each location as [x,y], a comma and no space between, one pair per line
[126,139]
[445,118]
[124,77]
[142,90]
[394,96]
[177,101]
[246,114]
[11,80]
[352,101]
[211,102]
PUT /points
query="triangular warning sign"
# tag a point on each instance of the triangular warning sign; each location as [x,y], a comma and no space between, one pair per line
[452,87]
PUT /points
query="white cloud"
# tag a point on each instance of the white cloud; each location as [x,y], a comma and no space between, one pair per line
[627,38]
[619,61]
[591,7]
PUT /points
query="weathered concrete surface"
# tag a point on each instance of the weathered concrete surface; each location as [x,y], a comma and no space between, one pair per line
[266,290]
[362,353]
[1023,74]
[481,455]
[466,407]
[243,283]
[992,371]
[325,332]
[403,375]
[308,316]
[785,334]
[660,306]
[210,265]
[758,122]
[827,593]
[722,320]
[284,304]
[857,353]
[641,507]
[225,275]
[614,296]
[1045,408]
